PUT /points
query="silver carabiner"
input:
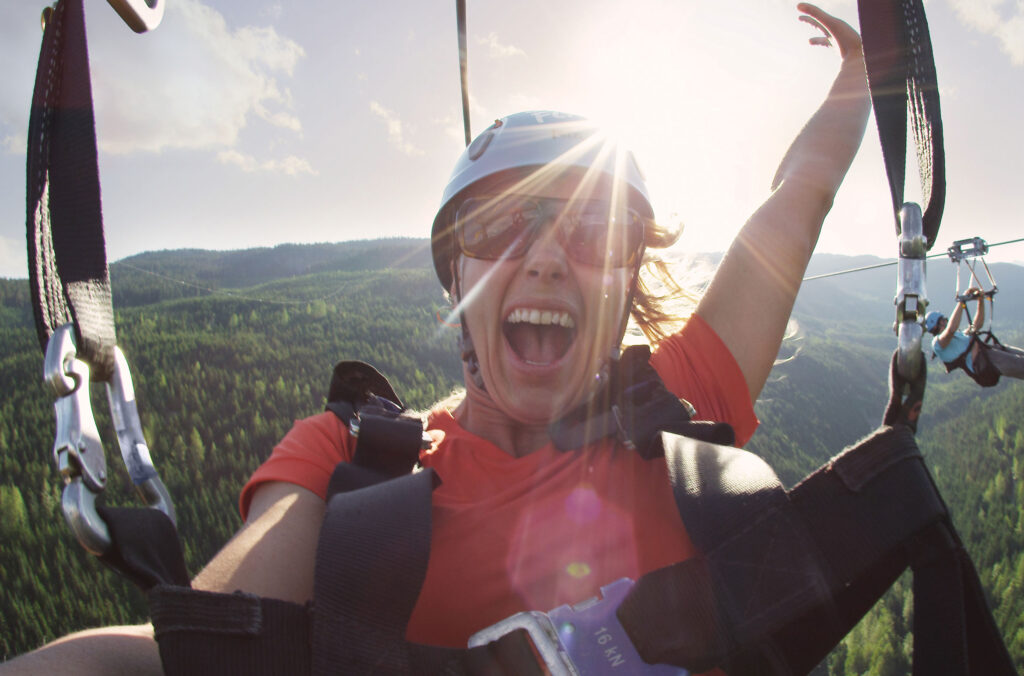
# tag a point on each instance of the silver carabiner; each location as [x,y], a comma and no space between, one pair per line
[911,295]
[78,449]
[134,450]
[140,15]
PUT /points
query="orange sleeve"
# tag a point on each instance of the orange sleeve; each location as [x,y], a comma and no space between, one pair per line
[697,366]
[305,457]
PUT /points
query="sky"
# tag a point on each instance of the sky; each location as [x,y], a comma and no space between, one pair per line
[245,123]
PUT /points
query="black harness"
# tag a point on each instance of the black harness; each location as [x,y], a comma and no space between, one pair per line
[782,575]
[983,373]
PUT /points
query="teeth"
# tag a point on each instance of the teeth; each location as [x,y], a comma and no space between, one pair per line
[540,317]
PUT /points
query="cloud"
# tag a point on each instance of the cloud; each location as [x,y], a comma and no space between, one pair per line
[1002,19]
[13,258]
[195,84]
[14,143]
[290,166]
[395,134]
[498,50]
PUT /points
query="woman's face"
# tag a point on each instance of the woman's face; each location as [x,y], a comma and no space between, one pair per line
[543,325]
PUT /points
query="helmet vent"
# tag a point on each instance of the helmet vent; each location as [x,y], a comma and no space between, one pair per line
[480,143]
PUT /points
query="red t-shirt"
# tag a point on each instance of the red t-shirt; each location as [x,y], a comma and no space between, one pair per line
[550,528]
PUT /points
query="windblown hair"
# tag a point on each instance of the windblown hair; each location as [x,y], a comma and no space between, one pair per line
[658,297]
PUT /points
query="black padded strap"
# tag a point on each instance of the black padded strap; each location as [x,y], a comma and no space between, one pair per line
[210,634]
[370,565]
[901,76]
[388,445]
[67,262]
[356,382]
[145,547]
[758,569]
[782,578]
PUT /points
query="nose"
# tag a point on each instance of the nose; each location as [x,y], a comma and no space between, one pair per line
[546,259]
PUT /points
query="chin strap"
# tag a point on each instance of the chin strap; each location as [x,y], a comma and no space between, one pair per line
[468,354]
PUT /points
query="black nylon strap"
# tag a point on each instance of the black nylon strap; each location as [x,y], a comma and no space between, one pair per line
[209,634]
[634,407]
[758,568]
[370,565]
[906,396]
[145,547]
[901,75]
[782,578]
[67,262]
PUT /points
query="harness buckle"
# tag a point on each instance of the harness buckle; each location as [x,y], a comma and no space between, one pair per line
[582,639]
[78,449]
[911,295]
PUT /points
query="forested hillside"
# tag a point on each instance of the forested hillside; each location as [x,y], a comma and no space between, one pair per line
[227,348]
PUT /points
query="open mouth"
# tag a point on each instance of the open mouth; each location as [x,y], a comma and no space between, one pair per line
[539,337]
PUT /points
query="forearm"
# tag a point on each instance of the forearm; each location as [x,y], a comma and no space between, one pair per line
[821,154]
[757,281]
[109,651]
[979,317]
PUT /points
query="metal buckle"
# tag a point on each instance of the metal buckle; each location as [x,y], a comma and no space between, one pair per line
[911,295]
[581,639]
[77,448]
[140,15]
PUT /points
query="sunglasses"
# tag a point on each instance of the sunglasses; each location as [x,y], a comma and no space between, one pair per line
[505,226]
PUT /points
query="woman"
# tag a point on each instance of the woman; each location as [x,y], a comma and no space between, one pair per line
[541,258]
[984,363]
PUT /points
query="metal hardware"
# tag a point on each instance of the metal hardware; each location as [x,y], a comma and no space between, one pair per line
[542,633]
[911,295]
[967,248]
[140,15]
[77,448]
[581,639]
[134,450]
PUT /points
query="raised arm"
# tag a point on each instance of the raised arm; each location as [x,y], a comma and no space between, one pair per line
[952,325]
[979,313]
[751,296]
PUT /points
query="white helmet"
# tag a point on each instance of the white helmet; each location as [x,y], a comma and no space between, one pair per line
[532,140]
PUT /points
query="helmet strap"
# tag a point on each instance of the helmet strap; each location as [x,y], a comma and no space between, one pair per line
[466,349]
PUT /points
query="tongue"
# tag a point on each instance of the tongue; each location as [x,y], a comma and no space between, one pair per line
[538,344]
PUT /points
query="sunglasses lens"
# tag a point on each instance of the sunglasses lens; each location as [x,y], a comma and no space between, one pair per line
[496,227]
[504,227]
[595,236]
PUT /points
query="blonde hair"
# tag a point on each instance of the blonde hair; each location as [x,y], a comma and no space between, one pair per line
[660,304]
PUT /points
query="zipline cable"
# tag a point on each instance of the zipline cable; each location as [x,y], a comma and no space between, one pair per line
[889,263]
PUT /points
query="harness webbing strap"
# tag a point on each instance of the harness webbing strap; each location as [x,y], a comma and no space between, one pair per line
[634,407]
[901,74]
[67,263]
[145,548]
[370,565]
[782,578]
[210,633]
